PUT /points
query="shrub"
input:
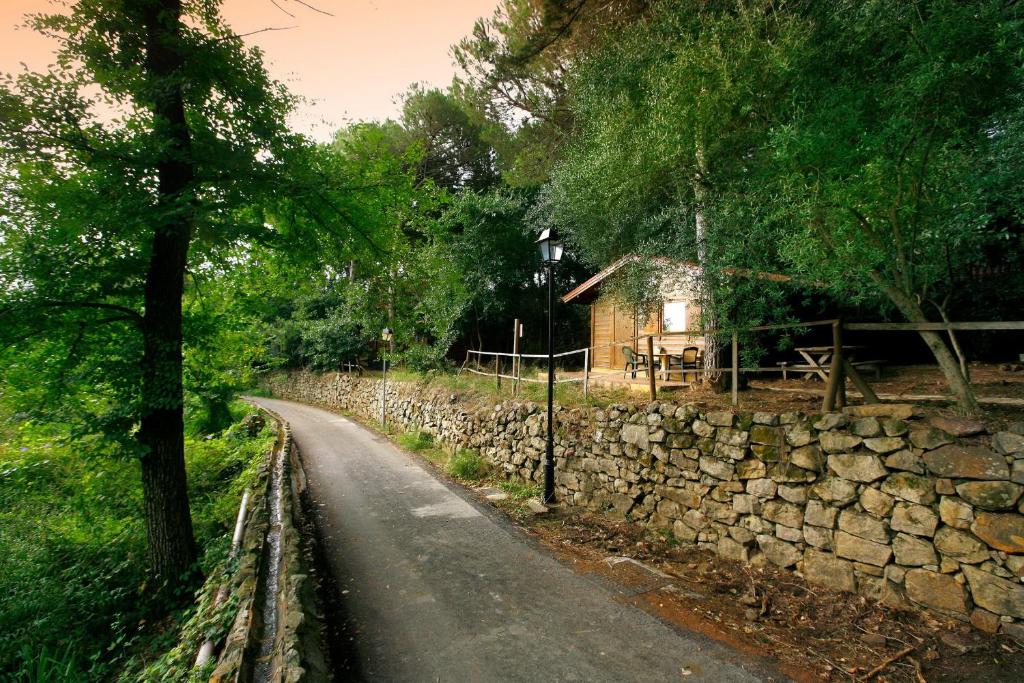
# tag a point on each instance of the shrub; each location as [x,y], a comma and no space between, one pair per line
[466,464]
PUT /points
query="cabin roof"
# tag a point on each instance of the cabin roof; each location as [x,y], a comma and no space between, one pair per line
[593,284]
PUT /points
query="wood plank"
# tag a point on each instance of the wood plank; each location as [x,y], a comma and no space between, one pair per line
[934,327]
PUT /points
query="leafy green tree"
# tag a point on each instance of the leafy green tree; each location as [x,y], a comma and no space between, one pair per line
[127,161]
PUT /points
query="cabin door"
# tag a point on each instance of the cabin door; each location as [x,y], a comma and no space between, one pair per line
[625,330]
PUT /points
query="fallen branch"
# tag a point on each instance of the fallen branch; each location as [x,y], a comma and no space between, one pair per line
[917,670]
[885,664]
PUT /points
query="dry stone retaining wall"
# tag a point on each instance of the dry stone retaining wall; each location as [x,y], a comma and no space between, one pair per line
[872,500]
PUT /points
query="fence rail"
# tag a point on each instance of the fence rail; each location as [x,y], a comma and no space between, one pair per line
[839,369]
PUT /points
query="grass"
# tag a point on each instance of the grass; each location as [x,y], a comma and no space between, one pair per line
[519,491]
[466,383]
[75,603]
[468,466]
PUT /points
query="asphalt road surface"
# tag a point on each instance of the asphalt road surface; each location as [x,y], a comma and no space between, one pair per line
[438,587]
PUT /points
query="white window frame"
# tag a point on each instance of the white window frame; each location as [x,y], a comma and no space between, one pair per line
[679,326]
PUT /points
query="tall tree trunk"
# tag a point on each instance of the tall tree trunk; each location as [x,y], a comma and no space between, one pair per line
[172,546]
[959,385]
[709,315]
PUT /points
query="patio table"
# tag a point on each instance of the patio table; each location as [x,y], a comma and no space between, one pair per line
[819,359]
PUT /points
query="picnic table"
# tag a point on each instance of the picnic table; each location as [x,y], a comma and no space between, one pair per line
[818,360]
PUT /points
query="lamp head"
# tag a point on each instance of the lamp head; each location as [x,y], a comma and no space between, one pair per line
[551,246]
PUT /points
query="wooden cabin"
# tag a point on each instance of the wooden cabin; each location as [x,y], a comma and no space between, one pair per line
[612,327]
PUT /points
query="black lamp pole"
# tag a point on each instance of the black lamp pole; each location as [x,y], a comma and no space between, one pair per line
[550,253]
[549,456]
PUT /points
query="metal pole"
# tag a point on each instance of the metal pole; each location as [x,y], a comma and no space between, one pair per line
[384,394]
[549,455]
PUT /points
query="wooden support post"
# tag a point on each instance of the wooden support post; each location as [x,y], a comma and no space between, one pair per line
[515,348]
[858,381]
[650,368]
[497,372]
[833,398]
[586,373]
[464,364]
[735,368]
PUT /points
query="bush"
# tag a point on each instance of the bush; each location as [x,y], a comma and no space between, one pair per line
[466,464]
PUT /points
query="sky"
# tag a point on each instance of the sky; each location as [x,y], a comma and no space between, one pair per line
[351,66]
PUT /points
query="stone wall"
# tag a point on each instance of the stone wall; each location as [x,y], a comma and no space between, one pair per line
[874,499]
[298,652]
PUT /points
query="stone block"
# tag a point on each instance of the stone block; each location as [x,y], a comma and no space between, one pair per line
[862,468]
[864,526]
[750,469]
[837,442]
[905,461]
[914,519]
[819,514]
[1008,443]
[703,429]
[817,536]
[866,427]
[985,621]
[912,551]
[717,468]
[991,495]
[826,570]
[910,487]
[799,434]
[884,444]
[784,513]
[720,418]
[835,490]
[808,457]
[683,532]
[787,473]
[789,534]
[960,545]
[732,550]
[793,494]
[900,411]
[766,453]
[1003,532]
[936,591]
[956,513]
[966,462]
[762,488]
[929,438]
[831,421]
[636,435]
[875,502]
[777,551]
[862,550]
[726,452]
[1005,598]
[958,426]
[770,419]
[894,427]
[746,504]
[741,535]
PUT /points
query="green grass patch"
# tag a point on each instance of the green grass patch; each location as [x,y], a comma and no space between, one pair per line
[468,465]
[75,600]
[520,491]
[415,441]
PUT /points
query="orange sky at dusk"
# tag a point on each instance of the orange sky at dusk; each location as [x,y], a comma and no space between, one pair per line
[352,65]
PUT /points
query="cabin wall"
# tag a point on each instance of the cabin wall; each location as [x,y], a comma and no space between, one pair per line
[612,327]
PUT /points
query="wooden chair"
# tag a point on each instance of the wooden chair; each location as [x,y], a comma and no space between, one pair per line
[690,360]
[633,362]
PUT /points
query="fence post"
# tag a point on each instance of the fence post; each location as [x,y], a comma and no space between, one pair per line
[650,368]
[516,360]
[464,364]
[833,397]
[586,372]
[497,372]
[735,368]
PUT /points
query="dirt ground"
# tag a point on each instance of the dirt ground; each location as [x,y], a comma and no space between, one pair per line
[814,634]
[904,384]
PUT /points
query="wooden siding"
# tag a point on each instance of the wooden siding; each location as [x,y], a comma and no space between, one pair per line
[611,327]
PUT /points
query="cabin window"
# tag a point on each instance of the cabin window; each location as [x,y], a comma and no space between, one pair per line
[674,317]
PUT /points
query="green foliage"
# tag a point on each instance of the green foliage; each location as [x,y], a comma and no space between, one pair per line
[468,465]
[415,441]
[74,599]
[519,491]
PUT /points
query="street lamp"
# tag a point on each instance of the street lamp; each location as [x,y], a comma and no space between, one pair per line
[385,336]
[550,253]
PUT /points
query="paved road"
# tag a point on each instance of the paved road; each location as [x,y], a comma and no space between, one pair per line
[440,588]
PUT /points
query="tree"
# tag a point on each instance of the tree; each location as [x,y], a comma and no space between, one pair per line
[131,160]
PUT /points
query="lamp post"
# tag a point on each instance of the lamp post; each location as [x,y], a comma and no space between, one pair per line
[385,336]
[550,253]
